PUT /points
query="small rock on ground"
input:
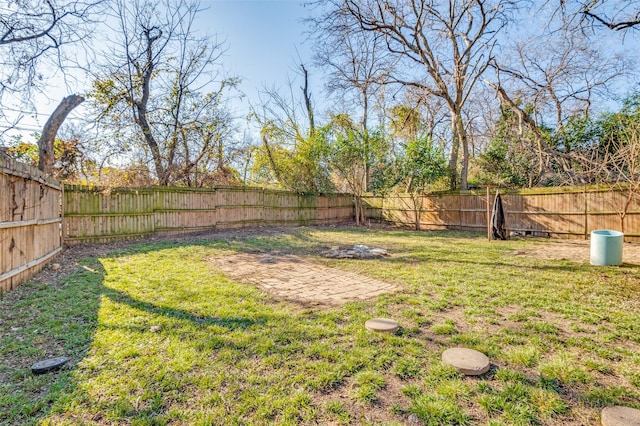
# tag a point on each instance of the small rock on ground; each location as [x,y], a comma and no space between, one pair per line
[466,361]
[620,416]
[414,420]
[358,251]
[48,365]
[382,324]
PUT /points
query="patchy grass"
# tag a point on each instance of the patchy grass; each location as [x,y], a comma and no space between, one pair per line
[156,335]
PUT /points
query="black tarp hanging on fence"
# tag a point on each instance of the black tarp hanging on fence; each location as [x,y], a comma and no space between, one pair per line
[498,228]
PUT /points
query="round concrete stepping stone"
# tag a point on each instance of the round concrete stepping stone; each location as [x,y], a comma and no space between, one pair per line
[382,324]
[620,416]
[47,365]
[466,361]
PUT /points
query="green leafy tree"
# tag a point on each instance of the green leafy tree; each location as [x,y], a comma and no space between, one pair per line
[508,161]
[419,169]
[298,165]
[351,152]
[293,152]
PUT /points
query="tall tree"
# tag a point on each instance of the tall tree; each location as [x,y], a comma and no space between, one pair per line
[161,86]
[357,65]
[443,47]
[549,80]
[350,156]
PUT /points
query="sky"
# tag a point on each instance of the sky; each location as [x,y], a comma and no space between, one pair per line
[264,41]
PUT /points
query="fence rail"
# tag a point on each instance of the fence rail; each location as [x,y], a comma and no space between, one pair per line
[560,213]
[30,219]
[93,215]
[34,208]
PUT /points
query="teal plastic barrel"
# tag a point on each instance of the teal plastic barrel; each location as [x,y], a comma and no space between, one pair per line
[606,247]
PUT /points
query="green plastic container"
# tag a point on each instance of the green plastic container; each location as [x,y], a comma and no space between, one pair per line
[606,247]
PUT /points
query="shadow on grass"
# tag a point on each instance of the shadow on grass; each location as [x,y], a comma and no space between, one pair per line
[40,321]
[179,314]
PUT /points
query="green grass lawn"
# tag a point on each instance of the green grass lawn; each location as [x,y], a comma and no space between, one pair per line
[156,335]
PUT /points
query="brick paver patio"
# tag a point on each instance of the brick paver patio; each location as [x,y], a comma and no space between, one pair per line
[295,279]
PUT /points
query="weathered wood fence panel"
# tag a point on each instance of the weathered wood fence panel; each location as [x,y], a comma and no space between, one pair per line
[183,210]
[562,213]
[239,207]
[93,215]
[29,222]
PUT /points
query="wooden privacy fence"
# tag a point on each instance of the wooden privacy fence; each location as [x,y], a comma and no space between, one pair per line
[29,222]
[93,215]
[558,212]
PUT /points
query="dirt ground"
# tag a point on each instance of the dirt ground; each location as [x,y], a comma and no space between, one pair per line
[576,251]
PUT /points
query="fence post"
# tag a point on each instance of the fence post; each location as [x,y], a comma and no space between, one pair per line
[62,215]
[586,213]
[488,214]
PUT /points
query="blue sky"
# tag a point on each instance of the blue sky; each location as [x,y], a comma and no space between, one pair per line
[264,43]
[263,38]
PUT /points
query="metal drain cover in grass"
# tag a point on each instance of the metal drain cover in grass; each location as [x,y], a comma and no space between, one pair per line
[382,324]
[620,416]
[466,361]
[48,365]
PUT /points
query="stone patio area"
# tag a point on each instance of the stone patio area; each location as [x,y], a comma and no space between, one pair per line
[297,280]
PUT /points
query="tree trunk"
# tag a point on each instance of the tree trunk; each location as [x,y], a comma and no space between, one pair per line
[417,201]
[365,134]
[50,130]
[307,101]
[456,122]
[464,171]
[357,210]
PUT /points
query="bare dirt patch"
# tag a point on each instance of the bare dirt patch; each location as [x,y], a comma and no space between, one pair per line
[298,280]
[576,251]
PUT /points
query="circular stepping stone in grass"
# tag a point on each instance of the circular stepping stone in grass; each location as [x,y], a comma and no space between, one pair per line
[48,365]
[466,361]
[382,324]
[620,416]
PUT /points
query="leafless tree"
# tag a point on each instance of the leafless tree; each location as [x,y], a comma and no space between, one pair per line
[617,167]
[443,47]
[549,79]
[161,85]
[617,15]
[357,66]
[290,155]
[32,31]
